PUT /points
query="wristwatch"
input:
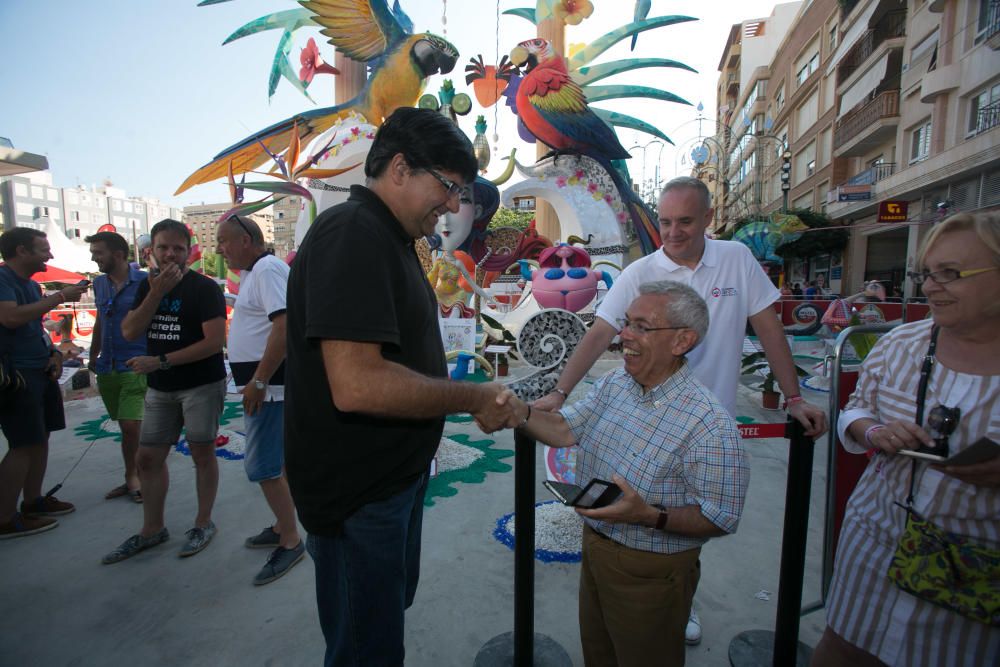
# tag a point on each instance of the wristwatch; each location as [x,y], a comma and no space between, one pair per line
[164,364]
[259,384]
[661,520]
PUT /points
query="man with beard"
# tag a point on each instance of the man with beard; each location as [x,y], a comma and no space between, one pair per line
[182,315]
[30,403]
[122,390]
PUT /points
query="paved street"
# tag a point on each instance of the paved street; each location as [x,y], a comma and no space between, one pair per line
[66,609]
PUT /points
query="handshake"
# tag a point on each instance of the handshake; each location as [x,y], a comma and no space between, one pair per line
[499,408]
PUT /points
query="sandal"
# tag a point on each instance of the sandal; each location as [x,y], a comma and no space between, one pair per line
[117,492]
[136,496]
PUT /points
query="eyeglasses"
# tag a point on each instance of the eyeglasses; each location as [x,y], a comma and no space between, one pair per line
[241,224]
[451,186]
[944,275]
[641,329]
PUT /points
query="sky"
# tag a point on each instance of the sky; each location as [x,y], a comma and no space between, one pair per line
[144,93]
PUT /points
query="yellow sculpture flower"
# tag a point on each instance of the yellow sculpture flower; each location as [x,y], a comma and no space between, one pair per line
[572,12]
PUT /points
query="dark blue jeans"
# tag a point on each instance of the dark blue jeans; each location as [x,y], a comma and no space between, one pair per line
[366,578]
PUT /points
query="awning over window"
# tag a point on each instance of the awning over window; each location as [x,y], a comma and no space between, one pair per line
[863,87]
[858,28]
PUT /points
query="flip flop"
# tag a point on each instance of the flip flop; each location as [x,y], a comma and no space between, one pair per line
[136,496]
[116,492]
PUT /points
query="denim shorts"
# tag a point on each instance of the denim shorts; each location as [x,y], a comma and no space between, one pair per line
[29,415]
[196,410]
[265,448]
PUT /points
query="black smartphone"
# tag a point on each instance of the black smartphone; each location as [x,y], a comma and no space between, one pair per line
[598,493]
[83,283]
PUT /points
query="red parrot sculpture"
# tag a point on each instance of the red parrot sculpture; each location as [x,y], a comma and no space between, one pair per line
[554,109]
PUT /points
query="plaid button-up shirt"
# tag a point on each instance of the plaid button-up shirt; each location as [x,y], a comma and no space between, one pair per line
[675,445]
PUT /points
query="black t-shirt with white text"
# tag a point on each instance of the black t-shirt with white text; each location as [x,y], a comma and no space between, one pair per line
[177,324]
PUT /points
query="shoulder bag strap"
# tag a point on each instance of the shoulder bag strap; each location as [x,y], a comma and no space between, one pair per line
[925,376]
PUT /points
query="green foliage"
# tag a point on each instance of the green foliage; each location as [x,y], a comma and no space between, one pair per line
[757,361]
[505,217]
[830,239]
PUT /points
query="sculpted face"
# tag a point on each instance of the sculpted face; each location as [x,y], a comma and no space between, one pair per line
[454,228]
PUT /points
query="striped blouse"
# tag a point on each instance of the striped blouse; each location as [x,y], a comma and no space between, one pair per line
[865,607]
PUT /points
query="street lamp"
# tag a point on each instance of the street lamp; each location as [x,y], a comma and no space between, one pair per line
[642,179]
[786,175]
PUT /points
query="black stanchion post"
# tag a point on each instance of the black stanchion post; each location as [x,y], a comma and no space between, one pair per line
[782,648]
[523,647]
[524,548]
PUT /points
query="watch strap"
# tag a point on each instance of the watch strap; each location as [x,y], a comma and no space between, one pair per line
[661,520]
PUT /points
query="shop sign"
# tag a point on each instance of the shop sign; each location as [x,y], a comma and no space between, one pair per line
[893,211]
[854,192]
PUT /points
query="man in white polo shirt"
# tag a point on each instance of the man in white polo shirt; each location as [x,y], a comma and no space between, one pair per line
[736,289]
[256,357]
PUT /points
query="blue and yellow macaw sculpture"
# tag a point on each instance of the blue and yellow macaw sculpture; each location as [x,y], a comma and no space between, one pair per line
[364,30]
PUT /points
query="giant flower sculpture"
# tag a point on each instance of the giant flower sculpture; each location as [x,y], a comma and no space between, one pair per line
[313,64]
[572,12]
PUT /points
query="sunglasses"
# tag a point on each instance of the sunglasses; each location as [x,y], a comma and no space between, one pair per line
[242,224]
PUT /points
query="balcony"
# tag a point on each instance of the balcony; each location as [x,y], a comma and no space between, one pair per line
[733,84]
[867,126]
[891,26]
[993,26]
[873,174]
[988,118]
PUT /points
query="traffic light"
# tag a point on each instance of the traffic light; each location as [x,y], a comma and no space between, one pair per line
[786,171]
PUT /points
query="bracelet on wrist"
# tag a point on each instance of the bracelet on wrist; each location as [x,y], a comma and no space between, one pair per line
[791,400]
[869,431]
[561,392]
[526,418]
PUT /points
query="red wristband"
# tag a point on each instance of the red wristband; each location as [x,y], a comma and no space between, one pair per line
[791,400]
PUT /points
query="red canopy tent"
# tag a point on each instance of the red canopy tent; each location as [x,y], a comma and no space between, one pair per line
[53,274]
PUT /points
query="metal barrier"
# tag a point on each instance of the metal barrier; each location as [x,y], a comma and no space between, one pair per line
[761,648]
[830,528]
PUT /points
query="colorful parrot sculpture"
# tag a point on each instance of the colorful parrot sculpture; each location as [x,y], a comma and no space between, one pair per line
[564,279]
[552,107]
[366,31]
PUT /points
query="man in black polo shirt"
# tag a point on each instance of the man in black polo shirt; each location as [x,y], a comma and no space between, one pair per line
[182,314]
[365,392]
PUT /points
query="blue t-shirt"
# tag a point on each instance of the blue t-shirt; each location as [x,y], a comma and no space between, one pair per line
[112,307]
[27,345]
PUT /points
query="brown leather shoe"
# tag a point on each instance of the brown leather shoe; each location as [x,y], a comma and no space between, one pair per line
[21,526]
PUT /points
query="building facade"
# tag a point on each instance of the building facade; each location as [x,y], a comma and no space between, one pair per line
[286,213]
[918,125]
[28,199]
[890,105]
[203,220]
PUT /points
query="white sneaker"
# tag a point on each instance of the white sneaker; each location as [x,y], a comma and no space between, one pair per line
[692,633]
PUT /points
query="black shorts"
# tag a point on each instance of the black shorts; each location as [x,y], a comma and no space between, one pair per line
[27,417]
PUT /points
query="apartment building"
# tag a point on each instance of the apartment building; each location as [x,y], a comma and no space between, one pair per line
[888,111]
[918,129]
[735,160]
[26,199]
[203,220]
[286,213]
